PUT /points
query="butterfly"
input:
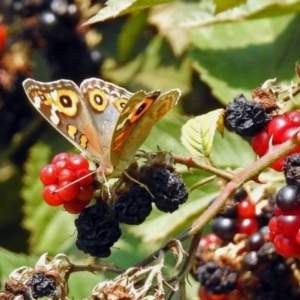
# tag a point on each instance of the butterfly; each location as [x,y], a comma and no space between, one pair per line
[105,122]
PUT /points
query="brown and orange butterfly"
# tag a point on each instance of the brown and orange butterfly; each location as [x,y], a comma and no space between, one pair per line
[105,122]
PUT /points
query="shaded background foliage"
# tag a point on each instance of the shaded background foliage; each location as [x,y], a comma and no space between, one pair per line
[177,44]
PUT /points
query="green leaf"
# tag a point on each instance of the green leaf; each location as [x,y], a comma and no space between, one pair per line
[197,134]
[131,31]
[174,20]
[223,5]
[233,60]
[166,135]
[162,226]
[231,151]
[10,261]
[203,14]
[154,68]
[81,284]
[115,8]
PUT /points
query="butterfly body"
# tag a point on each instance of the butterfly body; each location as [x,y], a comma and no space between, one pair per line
[105,122]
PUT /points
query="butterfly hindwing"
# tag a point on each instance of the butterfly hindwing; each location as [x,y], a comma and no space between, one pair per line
[105,101]
[137,119]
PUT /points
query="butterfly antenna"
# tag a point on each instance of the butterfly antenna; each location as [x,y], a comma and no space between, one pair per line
[107,185]
[139,183]
[75,181]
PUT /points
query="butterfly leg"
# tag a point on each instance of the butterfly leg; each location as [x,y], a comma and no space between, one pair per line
[139,183]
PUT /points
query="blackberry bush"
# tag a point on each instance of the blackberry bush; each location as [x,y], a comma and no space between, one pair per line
[252,239]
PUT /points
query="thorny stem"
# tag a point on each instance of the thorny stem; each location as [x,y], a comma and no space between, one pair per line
[95,268]
[202,182]
[289,97]
[191,163]
[238,179]
[156,271]
[186,264]
[191,252]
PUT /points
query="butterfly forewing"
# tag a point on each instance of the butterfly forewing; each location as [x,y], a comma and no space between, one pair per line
[61,103]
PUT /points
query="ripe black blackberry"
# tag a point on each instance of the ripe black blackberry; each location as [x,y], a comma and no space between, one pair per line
[217,279]
[224,225]
[246,118]
[272,266]
[41,285]
[165,185]
[133,206]
[291,169]
[267,212]
[288,197]
[224,228]
[97,230]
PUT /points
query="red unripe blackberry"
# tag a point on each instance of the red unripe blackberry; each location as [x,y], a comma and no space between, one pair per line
[260,143]
[66,175]
[61,156]
[78,162]
[48,174]
[50,196]
[75,206]
[293,116]
[68,191]
[247,226]
[288,225]
[277,127]
[246,209]
[285,246]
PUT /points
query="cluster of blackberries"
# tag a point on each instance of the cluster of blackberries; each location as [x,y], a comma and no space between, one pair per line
[279,130]
[98,225]
[285,225]
[161,185]
[245,266]
[240,216]
[217,279]
[254,119]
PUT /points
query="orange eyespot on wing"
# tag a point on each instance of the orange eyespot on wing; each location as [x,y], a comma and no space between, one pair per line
[140,109]
[162,108]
